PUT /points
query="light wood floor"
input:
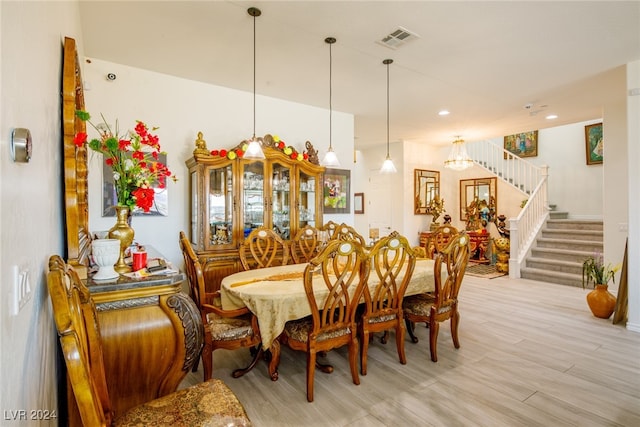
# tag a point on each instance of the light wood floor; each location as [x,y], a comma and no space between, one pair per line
[531,355]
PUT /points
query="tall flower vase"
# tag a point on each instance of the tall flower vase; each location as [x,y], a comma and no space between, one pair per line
[601,302]
[123,232]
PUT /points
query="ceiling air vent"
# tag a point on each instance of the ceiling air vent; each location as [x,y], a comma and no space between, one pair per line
[397,38]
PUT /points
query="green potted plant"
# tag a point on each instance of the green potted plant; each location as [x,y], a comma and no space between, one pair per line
[594,270]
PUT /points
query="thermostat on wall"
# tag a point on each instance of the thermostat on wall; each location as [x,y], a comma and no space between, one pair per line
[21,145]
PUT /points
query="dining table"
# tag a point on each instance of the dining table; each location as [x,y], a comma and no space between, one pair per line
[276,295]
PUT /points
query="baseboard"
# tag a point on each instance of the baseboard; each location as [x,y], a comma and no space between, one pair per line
[634,327]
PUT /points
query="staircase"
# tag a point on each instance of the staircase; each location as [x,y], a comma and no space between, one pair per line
[560,249]
[531,181]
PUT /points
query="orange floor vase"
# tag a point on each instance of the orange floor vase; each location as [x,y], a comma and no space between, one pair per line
[601,301]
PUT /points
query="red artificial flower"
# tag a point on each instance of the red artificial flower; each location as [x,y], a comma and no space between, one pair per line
[305,156]
[214,152]
[223,153]
[144,198]
[139,155]
[294,155]
[154,154]
[109,161]
[80,139]
[239,152]
[123,144]
[141,129]
[152,140]
[281,145]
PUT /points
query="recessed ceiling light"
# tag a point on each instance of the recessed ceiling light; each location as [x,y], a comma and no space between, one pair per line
[551,116]
[443,113]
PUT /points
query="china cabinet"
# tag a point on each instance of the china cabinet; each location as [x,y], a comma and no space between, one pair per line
[231,195]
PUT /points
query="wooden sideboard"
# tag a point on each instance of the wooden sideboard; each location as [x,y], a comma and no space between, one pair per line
[151,337]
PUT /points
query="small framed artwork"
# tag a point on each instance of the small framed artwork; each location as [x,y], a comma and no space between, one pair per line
[593,141]
[522,144]
[358,203]
[109,199]
[335,191]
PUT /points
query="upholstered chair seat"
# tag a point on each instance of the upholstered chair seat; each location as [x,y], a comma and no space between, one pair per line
[229,328]
[300,329]
[210,403]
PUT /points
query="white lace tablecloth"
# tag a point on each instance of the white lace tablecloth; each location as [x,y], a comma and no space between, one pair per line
[276,294]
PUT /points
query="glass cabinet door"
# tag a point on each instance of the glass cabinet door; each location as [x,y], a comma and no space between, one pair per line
[281,199]
[253,204]
[307,200]
[220,185]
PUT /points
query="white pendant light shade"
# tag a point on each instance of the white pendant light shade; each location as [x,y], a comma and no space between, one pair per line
[330,159]
[387,166]
[254,150]
[458,158]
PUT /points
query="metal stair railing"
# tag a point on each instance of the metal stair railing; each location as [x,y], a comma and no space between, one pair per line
[525,177]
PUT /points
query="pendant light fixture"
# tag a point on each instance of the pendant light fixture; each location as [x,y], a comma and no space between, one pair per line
[330,159]
[254,150]
[458,159]
[387,165]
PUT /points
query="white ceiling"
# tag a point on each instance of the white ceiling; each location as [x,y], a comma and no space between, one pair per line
[483,61]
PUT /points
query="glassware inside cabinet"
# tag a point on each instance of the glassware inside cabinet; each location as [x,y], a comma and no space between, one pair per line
[280,200]
[220,205]
[253,196]
[307,207]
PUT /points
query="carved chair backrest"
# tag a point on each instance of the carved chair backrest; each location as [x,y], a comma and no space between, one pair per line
[330,228]
[439,239]
[455,258]
[392,262]
[262,248]
[343,268]
[346,232]
[305,244]
[193,269]
[77,324]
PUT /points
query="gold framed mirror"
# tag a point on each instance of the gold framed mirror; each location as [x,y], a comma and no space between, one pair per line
[426,186]
[482,190]
[75,163]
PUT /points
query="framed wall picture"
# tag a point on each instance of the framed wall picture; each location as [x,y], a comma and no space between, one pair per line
[336,192]
[593,141]
[522,144]
[109,199]
[358,203]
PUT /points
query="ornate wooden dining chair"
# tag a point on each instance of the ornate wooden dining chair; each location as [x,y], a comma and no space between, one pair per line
[330,228]
[207,403]
[262,248]
[391,266]
[342,268]
[442,304]
[439,239]
[305,244]
[227,329]
[347,232]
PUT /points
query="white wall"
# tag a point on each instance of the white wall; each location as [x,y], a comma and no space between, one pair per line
[633,144]
[181,108]
[31,214]
[615,204]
